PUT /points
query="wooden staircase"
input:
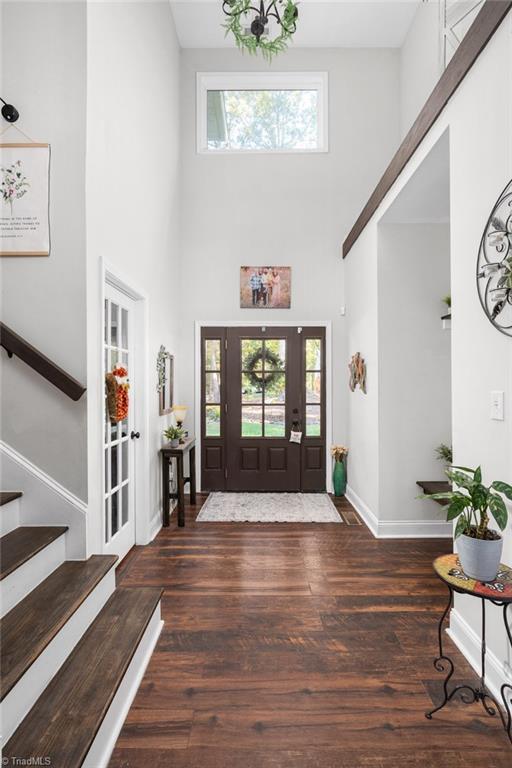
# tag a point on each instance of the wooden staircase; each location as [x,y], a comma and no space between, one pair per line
[73,646]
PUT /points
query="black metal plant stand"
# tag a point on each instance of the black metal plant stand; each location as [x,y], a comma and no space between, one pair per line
[457,581]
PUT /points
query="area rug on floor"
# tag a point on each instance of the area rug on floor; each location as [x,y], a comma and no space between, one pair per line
[223,507]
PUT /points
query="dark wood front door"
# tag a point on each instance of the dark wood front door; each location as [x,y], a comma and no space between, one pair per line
[258,385]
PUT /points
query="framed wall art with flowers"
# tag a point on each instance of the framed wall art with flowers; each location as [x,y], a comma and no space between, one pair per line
[24,199]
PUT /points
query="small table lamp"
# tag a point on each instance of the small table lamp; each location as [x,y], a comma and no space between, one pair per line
[180,414]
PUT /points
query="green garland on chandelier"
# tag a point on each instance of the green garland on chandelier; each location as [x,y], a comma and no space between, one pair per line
[257,377]
[253,43]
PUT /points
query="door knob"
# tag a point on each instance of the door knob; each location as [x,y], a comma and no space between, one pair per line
[135,435]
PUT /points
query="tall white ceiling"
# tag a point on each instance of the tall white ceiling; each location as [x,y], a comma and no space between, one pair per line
[334,24]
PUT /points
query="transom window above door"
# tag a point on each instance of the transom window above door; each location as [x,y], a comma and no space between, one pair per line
[261,112]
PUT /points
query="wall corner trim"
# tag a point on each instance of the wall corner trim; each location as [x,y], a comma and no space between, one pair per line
[363,511]
[399,529]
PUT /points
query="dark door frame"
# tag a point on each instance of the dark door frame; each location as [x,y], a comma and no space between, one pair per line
[264,322]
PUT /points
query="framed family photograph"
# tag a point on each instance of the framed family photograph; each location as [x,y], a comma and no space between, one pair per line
[265,287]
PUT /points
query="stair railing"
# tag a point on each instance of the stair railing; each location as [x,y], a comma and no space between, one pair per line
[16,345]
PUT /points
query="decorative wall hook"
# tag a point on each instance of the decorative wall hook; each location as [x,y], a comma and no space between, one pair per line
[9,112]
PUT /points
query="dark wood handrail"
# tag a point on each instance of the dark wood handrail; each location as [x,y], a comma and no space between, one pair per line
[478,35]
[15,345]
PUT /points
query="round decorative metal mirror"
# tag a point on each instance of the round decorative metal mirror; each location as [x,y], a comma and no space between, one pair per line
[494,265]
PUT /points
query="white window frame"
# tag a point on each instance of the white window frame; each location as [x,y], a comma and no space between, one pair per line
[256,81]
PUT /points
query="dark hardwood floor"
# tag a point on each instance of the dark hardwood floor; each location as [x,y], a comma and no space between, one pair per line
[297,646]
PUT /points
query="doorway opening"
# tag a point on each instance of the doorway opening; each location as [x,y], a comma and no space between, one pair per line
[263,409]
[415,340]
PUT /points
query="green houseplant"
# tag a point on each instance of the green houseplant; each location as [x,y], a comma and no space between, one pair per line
[174,435]
[444,453]
[473,504]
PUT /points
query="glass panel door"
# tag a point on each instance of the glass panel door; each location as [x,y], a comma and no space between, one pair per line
[258,385]
[118,447]
[263,402]
[263,391]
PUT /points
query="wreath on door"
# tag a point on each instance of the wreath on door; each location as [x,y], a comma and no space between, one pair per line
[257,377]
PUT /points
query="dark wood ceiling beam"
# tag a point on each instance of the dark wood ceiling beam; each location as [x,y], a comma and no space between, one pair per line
[481,31]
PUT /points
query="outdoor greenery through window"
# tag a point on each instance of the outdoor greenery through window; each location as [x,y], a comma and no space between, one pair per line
[262,112]
[313,387]
[212,379]
[262,120]
[263,391]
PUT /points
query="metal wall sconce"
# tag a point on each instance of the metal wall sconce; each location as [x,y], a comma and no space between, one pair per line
[9,112]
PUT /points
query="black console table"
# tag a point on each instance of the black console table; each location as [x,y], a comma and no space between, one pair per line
[167,453]
[498,592]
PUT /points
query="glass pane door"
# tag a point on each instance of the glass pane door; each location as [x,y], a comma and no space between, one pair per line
[119,529]
[263,402]
[263,390]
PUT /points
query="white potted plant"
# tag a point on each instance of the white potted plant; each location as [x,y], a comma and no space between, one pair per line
[174,435]
[479,546]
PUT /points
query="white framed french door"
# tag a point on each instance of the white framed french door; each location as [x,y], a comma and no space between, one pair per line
[120,438]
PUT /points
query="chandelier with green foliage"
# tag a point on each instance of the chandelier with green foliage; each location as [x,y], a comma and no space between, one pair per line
[252,34]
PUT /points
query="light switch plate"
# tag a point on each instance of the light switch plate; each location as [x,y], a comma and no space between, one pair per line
[497,406]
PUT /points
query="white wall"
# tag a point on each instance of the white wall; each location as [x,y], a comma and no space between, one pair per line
[361,286]
[420,62]
[288,209]
[481,356]
[43,52]
[133,202]
[414,366]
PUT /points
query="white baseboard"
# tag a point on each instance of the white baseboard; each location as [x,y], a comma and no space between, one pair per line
[105,740]
[155,527]
[415,529]
[363,511]
[20,700]
[468,643]
[44,500]
[399,529]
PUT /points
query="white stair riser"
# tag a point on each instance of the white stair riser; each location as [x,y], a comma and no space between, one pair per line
[24,579]
[105,741]
[10,516]
[25,693]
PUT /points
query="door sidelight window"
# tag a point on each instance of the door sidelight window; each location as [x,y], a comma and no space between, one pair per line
[313,388]
[212,387]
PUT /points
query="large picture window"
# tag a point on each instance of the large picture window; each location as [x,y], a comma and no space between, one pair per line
[261,112]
